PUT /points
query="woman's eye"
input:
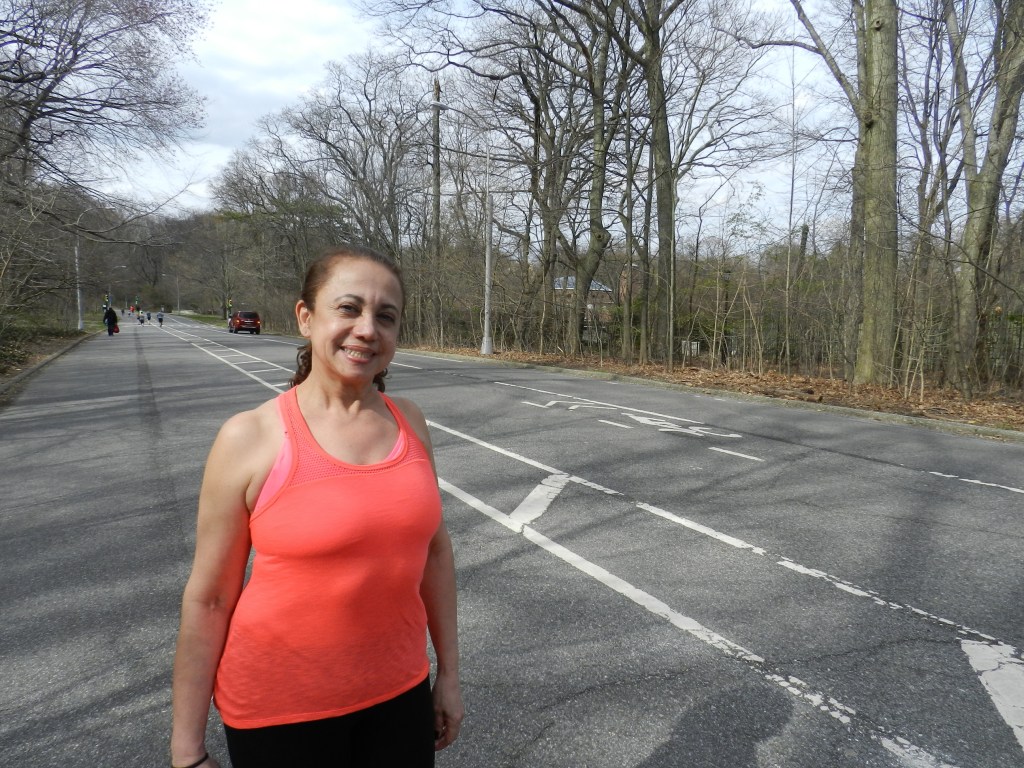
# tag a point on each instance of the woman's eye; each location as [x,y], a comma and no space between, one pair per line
[386,318]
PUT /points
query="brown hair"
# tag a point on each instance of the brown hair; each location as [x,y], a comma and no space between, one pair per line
[317,275]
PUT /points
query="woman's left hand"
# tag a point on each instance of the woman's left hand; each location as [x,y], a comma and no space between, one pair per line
[448,710]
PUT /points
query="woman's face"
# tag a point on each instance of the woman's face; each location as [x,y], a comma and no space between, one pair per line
[353,327]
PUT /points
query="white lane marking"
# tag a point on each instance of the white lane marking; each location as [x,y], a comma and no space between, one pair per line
[596,402]
[437,358]
[978,482]
[732,541]
[615,424]
[535,405]
[213,354]
[641,598]
[539,499]
[496,449]
[733,453]
[843,586]
[1002,673]
[406,365]
[911,755]
[993,485]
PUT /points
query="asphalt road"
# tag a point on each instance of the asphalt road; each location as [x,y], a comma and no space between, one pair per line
[647,577]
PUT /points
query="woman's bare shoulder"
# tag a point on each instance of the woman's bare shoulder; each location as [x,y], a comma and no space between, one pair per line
[244,451]
[415,417]
[250,429]
[251,423]
[411,411]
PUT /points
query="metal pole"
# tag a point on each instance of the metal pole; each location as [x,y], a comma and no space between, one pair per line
[177,291]
[487,345]
[438,106]
[78,289]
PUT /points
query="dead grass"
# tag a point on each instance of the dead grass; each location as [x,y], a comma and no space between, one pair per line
[995,410]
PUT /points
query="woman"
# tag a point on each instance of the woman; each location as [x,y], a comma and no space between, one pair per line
[110,320]
[321,660]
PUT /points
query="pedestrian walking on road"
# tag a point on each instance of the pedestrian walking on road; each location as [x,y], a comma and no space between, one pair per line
[110,320]
[322,657]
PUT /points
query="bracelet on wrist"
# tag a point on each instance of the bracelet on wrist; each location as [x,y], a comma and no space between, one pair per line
[196,764]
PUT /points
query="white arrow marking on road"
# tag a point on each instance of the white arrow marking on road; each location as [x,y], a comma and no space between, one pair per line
[573,405]
[664,425]
[1002,674]
[585,400]
[540,498]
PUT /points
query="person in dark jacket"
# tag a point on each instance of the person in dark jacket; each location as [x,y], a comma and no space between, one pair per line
[110,320]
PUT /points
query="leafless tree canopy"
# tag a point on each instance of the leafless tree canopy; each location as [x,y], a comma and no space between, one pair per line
[85,85]
[834,192]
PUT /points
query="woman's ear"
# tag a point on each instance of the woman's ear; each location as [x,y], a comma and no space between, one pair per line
[302,316]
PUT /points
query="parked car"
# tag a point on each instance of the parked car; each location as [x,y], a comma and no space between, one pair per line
[245,321]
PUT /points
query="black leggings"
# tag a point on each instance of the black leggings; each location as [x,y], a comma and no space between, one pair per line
[399,733]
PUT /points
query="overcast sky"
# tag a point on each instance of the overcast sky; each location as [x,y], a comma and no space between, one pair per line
[255,57]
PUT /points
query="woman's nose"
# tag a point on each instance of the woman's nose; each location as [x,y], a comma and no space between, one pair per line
[366,325]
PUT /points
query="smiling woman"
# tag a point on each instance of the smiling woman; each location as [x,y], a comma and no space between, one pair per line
[380,309]
[333,484]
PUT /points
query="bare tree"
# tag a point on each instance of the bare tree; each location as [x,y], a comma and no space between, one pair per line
[83,86]
[83,83]
[986,146]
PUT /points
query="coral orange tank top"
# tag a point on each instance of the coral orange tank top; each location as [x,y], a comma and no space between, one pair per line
[331,620]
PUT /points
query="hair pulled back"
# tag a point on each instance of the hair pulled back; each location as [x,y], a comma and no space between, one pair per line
[317,275]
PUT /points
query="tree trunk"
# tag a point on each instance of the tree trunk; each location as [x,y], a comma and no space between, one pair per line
[877,120]
[984,183]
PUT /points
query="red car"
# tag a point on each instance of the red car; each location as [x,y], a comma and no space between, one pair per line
[244,321]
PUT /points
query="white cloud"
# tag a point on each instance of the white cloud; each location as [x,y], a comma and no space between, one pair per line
[254,58]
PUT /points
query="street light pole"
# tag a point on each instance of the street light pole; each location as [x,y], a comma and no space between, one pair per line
[438,106]
[78,289]
[487,345]
[110,286]
[177,291]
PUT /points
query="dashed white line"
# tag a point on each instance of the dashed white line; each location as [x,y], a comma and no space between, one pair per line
[615,424]
[1009,488]
[734,453]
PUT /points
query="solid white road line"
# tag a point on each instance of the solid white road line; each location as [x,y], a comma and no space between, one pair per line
[912,756]
[1017,698]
